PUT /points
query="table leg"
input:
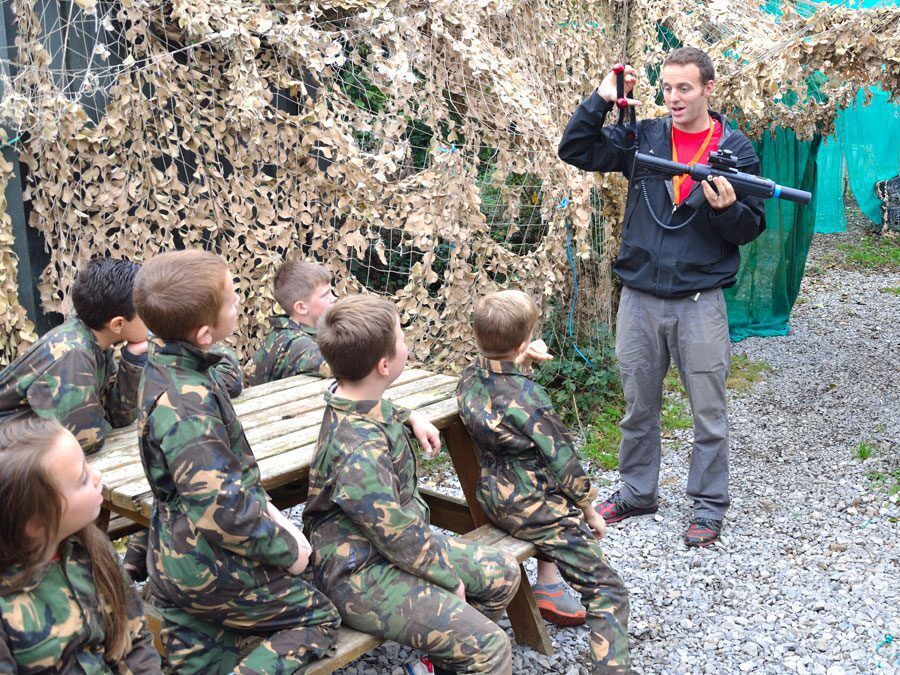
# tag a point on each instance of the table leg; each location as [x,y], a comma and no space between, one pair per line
[103,519]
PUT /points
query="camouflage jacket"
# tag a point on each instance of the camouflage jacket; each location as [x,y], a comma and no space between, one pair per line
[512,421]
[54,625]
[209,528]
[364,505]
[66,375]
[290,349]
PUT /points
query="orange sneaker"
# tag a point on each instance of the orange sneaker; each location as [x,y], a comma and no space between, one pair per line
[557,606]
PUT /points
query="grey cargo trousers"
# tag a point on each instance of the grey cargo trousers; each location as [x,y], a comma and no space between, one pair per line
[692,331]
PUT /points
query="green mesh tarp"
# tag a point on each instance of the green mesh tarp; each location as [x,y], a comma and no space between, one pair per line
[772,265]
[829,192]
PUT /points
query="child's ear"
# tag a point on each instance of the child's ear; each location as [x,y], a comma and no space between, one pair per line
[116,324]
[382,367]
[522,348]
[204,337]
[300,308]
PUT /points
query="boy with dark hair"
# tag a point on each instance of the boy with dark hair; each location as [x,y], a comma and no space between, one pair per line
[303,290]
[224,562]
[376,556]
[532,484]
[72,373]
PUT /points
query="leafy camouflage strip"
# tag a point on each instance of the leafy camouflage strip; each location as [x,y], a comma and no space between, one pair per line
[65,375]
[55,624]
[290,349]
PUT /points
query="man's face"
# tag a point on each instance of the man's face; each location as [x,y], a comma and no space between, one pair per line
[686,97]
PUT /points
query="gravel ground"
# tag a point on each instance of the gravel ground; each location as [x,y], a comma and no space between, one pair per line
[805,576]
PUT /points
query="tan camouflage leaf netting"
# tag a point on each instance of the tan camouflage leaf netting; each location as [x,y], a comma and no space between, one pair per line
[409,146]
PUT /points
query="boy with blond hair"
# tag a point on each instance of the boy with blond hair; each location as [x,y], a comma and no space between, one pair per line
[224,562]
[532,484]
[303,290]
[376,556]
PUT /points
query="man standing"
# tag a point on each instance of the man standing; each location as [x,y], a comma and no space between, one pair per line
[679,250]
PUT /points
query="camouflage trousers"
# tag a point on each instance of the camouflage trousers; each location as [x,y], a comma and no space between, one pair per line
[296,621]
[531,508]
[384,600]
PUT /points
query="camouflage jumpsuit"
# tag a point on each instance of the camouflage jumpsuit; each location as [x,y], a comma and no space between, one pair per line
[533,486]
[67,376]
[53,623]
[377,558]
[218,563]
[290,349]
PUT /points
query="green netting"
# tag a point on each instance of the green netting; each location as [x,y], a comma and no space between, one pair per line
[870,135]
[772,266]
[829,192]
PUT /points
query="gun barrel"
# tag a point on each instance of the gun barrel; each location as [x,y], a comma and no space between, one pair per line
[743,183]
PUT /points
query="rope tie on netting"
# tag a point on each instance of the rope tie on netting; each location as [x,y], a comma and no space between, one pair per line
[563,203]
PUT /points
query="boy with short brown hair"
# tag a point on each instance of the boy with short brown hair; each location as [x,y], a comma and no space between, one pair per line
[303,290]
[532,483]
[376,556]
[224,562]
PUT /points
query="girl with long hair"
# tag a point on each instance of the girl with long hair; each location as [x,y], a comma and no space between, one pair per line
[65,605]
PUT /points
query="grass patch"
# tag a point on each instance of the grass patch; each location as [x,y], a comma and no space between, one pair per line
[744,373]
[426,465]
[886,481]
[602,443]
[873,253]
[675,415]
[864,451]
[891,290]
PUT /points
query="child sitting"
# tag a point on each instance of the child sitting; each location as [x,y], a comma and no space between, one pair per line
[65,605]
[72,373]
[224,563]
[303,290]
[376,556]
[532,484]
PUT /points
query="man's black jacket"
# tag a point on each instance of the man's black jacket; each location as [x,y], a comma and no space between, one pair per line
[669,264]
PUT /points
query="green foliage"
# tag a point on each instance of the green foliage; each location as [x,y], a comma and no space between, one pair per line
[744,373]
[577,389]
[891,290]
[675,415]
[872,252]
[864,451]
[602,442]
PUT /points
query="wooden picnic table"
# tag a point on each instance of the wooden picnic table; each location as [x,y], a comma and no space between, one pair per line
[282,419]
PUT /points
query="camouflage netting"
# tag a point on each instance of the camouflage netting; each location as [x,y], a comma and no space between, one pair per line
[409,146]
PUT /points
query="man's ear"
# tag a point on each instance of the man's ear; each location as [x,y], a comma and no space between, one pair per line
[710,86]
[116,324]
[300,308]
[204,337]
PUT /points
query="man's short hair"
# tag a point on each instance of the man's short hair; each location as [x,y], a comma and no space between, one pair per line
[686,55]
[502,321]
[103,290]
[355,333]
[178,291]
[296,280]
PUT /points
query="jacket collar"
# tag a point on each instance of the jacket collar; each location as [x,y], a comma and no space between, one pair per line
[382,410]
[10,581]
[283,322]
[487,367]
[183,354]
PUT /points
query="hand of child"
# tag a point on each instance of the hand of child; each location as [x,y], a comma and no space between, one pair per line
[137,348]
[595,522]
[460,591]
[304,551]
[536,351]
[426,433]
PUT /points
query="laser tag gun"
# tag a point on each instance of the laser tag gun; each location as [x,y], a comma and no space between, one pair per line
[722,163]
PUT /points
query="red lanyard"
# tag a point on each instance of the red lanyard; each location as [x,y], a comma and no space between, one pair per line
[678,180]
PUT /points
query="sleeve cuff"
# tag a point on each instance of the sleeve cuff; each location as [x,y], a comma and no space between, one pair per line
[137,360]
[587,502]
